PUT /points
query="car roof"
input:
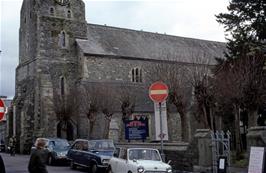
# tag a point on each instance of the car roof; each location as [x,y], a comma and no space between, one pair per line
[53,139]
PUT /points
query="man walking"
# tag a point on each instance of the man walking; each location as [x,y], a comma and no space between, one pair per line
[2,166]
[38,157]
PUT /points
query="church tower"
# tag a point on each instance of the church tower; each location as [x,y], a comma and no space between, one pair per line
[47,68]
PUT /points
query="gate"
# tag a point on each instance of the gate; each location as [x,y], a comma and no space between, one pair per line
[220,150]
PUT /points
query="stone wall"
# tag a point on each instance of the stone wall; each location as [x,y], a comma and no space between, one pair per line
[193,156]
[256,137]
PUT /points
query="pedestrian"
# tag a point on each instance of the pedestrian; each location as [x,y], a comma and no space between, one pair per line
[2,166]
[12,145]
[37,163]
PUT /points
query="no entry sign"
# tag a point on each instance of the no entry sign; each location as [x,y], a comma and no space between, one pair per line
[2,109]
[158,92]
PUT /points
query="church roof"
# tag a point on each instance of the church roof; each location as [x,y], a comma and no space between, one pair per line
[112,41]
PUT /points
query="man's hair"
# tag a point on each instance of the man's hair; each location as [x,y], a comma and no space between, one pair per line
[40,143]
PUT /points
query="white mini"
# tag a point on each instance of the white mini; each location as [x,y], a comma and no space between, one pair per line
[138,160]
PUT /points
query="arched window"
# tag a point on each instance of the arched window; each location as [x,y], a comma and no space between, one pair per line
[62,86]
[68,14]
[136,75]
[52,11]
[62,39]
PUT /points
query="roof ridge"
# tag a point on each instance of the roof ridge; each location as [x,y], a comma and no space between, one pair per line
[152,33]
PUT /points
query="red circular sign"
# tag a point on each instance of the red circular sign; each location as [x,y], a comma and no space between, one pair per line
[2,109]
[158,92]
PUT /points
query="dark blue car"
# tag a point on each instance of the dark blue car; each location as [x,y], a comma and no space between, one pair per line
[94,154]
[56,150]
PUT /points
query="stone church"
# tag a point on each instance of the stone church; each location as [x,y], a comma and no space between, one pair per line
[60,52]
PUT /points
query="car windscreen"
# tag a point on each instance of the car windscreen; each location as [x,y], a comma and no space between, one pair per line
[60,144]
[101,145]
[144,154]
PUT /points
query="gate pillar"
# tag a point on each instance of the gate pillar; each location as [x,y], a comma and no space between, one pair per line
[203,137]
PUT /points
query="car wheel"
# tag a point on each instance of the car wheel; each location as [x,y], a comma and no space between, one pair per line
[72,165]
[50,160]
[94,168]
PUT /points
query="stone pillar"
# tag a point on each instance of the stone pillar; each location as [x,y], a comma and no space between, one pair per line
[256,137]
[203,138]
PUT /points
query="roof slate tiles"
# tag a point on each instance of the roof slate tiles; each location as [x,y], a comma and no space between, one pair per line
[112,41]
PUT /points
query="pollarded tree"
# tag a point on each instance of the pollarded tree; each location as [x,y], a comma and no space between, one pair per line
[200,75]
[173,74]
[108,105]
[90,104]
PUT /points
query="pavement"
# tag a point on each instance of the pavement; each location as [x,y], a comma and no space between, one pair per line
[233,170]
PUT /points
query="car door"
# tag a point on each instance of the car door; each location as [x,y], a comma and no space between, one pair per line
[75,152]
[121,162]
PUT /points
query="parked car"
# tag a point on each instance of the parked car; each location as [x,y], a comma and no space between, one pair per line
[56,150]
[138,160]
[93,154]
[2,146]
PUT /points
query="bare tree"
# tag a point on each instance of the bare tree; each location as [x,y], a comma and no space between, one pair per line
[108,105]
[239,82]
[127,99]
[199,73]
[173,74]
[90,104]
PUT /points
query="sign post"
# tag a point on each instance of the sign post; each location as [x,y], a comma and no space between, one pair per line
[158,93]
[2,109]
[256,160]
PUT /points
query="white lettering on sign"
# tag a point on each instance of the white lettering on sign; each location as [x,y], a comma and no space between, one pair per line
[256,160]
[158,92]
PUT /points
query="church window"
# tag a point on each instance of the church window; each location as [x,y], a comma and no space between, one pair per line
[62,86]
[62,39]
[52,11]
[136,75]
[68,14]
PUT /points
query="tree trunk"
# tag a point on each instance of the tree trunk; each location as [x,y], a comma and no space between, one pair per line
[239,147]
[252,118]
[212,119]
[107,128]
[205,118]
[91,129]
[184,126]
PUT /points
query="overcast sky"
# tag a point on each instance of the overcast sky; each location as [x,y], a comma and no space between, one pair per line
[188,18]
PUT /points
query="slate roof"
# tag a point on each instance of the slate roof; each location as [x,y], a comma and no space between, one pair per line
[112,41]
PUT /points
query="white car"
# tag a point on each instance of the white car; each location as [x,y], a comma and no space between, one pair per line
[138,160]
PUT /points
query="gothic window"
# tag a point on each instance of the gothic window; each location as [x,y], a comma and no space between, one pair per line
[136,75]
[52,11]
[62,86]
[62,39]
[68,14]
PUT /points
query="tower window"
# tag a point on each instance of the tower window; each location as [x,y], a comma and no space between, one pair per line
[68,14]
[62,86]
[136,75]
[51,11]
[62,39]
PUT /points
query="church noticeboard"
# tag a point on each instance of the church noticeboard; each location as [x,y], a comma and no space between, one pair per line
[256,159]
[136,129]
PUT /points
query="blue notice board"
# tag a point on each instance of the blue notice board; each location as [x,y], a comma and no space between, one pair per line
[136,129]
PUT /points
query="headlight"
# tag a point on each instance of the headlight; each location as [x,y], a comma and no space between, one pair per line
[105,161]
[140,169]
[169,170]
[61,154]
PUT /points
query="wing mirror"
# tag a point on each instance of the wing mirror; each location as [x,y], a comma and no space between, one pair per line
[169,161]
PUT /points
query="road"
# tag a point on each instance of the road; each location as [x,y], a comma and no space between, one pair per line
[19,164]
